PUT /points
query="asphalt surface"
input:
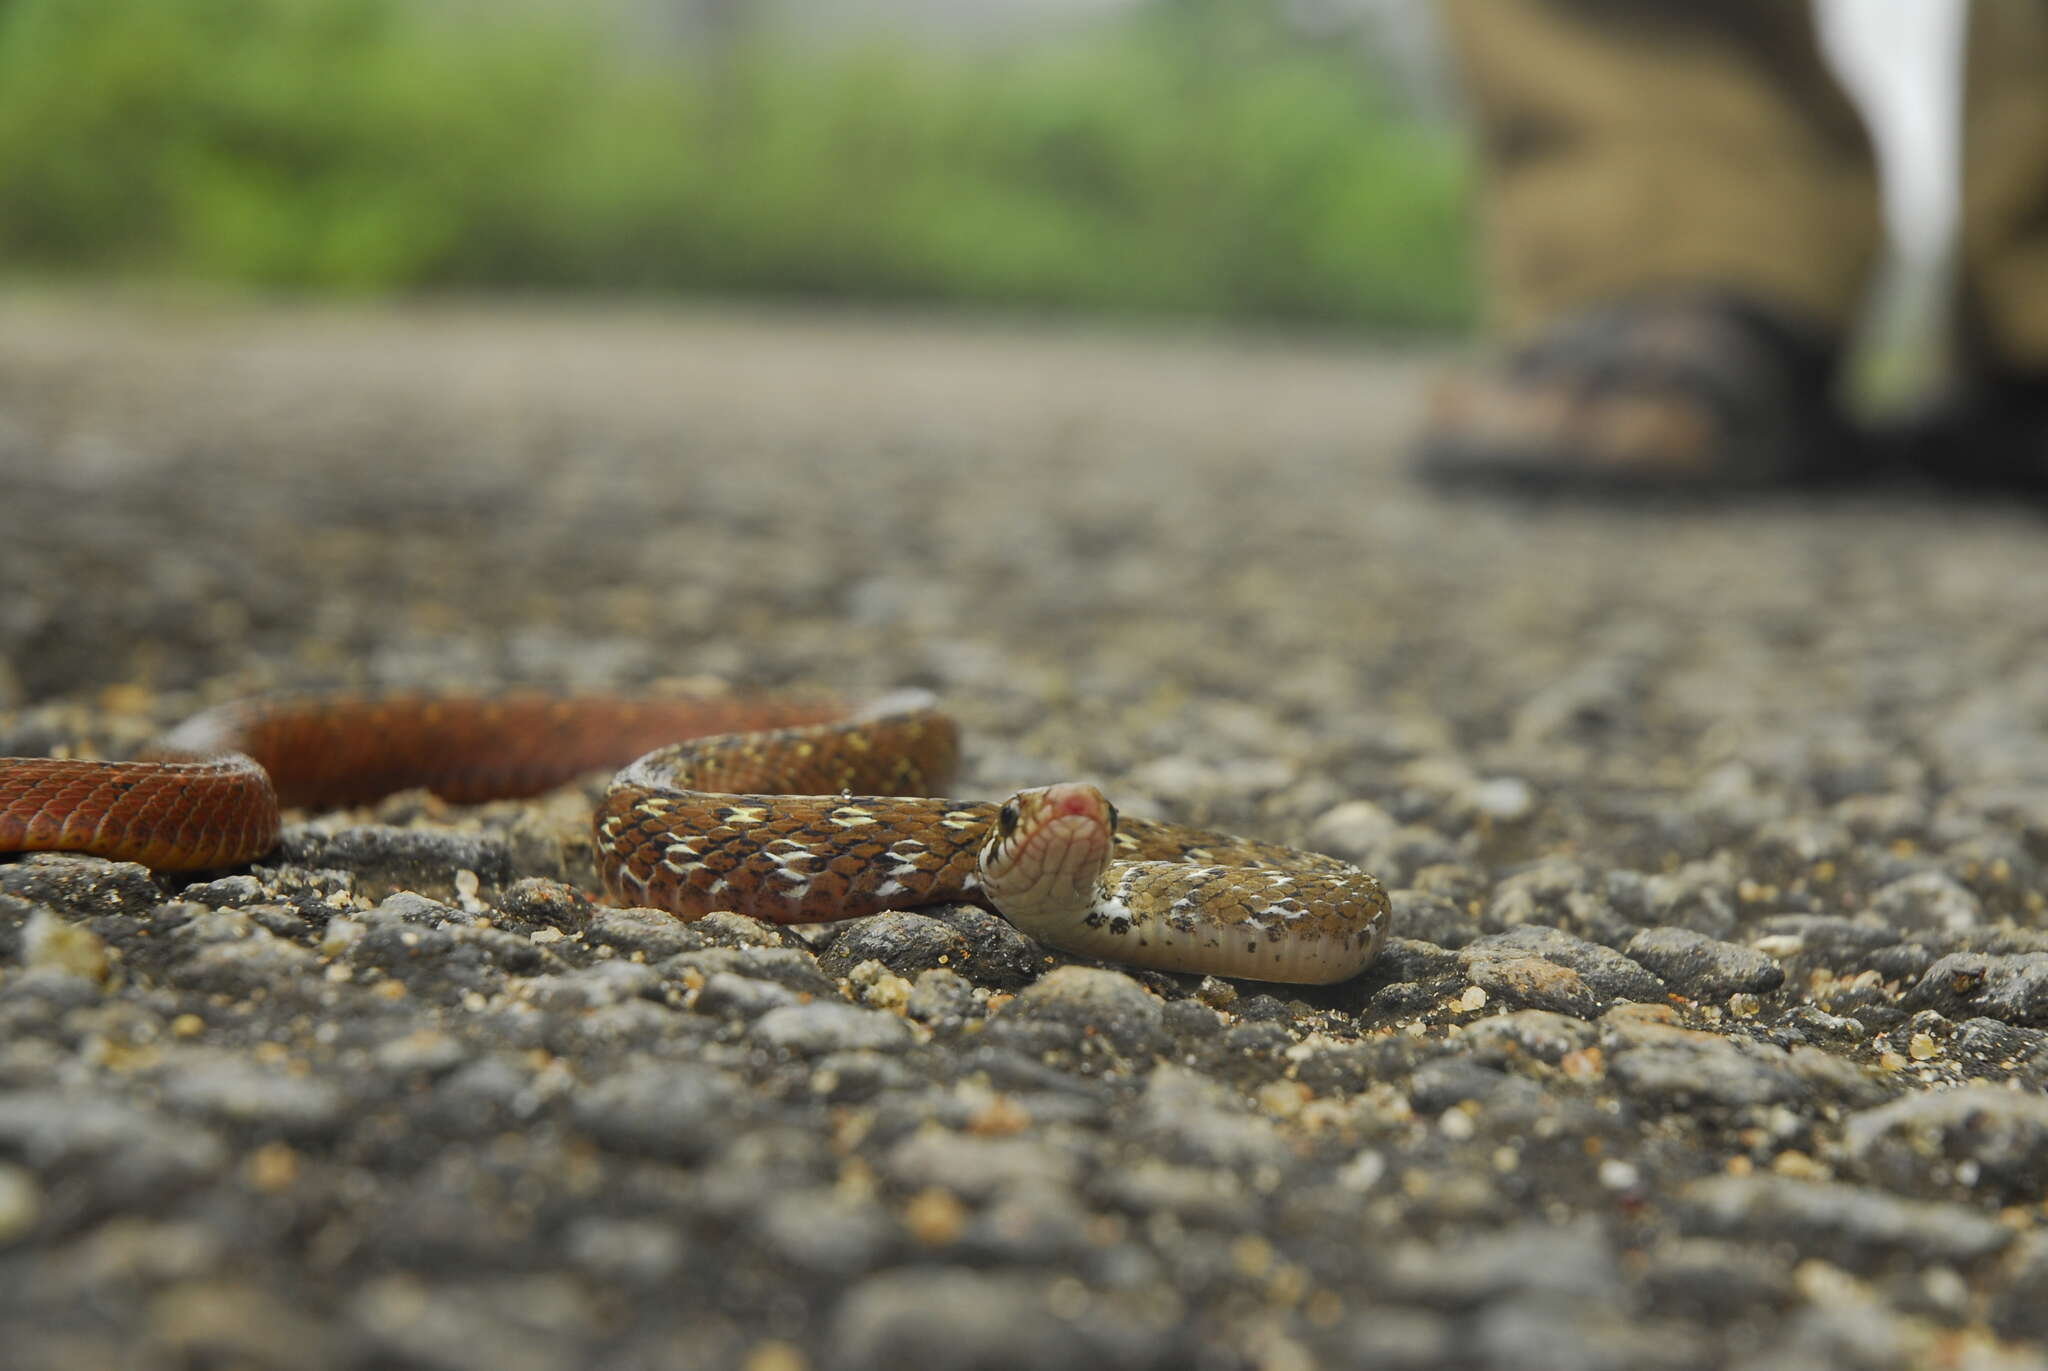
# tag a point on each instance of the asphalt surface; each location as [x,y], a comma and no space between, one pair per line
[1713,1032]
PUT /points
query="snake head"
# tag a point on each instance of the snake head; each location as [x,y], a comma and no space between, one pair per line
[1047,849]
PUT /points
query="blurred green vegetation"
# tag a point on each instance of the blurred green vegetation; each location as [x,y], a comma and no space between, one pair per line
[1191,160]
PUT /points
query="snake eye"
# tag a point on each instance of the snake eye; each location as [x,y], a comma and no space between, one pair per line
[1006,820]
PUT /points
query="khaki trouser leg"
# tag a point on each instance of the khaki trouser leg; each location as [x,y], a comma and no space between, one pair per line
[1631,144]
[2005,185]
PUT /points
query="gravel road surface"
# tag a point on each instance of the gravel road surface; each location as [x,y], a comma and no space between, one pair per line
[1713,1033]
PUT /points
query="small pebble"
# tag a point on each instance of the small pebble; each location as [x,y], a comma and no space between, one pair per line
[812,1029]
[21,1202]
[51,943]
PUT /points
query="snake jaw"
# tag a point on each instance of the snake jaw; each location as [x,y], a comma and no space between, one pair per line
[1050,860]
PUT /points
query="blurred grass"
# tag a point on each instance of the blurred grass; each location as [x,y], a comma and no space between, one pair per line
[1192,160]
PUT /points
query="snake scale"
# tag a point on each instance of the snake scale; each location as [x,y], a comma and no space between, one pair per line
[788,808]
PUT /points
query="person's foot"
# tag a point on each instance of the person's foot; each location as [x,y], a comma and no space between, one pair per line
[1673,391]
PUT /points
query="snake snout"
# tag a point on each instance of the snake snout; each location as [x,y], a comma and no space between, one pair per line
[1072,799]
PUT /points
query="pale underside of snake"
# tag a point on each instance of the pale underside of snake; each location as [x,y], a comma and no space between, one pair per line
[787,808]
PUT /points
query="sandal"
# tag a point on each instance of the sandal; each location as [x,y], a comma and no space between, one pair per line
[1669,392]
[1990,436]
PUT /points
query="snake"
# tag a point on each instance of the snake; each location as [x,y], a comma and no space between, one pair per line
[790,808]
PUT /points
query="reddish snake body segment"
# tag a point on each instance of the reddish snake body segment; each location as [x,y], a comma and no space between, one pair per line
[785,807]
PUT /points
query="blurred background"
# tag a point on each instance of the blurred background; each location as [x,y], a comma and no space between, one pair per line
[1214,158]
[1295,161]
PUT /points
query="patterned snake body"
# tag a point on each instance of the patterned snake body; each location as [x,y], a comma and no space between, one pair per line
[793,812]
